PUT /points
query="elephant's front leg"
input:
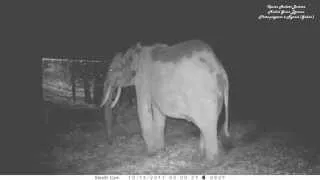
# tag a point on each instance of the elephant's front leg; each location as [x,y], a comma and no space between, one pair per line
[159,121]
[146,122]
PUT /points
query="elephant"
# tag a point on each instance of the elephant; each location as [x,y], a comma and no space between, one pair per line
[184,81]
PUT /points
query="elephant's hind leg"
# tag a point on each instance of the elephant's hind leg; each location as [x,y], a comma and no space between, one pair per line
[206,120]
[210,143]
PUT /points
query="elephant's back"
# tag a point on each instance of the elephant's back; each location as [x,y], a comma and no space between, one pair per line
[176,52]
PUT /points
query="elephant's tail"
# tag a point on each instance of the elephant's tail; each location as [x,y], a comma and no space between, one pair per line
[226,103]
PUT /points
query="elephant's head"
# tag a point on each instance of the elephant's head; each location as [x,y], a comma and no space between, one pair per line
[121,73]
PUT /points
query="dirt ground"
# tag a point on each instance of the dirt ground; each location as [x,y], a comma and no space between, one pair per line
[75,143]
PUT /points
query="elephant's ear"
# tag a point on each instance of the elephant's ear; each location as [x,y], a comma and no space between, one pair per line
[132,57]
[117,62]
[133,53]
[118,57]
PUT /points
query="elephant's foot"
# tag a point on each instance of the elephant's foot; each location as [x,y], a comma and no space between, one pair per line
[215,159]
[209,149]
[209,154]
[109,137]
[214,156]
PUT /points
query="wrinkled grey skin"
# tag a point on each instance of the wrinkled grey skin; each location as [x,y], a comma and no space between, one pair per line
[184,81]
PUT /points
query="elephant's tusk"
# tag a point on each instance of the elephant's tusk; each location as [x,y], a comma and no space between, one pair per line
[106,97]
[117,97]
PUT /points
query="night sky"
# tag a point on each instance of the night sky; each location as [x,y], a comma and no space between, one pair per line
[272,65]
